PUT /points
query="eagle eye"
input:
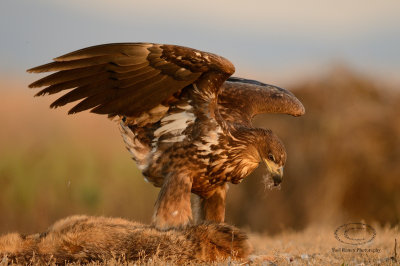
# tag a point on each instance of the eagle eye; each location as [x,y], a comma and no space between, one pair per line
[271,157]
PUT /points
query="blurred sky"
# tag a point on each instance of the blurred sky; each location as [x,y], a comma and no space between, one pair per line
[273,41]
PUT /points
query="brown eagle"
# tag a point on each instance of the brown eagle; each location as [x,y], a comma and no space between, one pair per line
[184,120]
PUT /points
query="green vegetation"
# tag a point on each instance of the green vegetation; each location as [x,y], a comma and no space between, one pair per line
[41,183]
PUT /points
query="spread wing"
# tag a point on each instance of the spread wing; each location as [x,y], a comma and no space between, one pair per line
[128,78]
[242,99]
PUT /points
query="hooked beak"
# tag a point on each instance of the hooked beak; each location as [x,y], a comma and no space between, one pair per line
[277,176]
[276,173]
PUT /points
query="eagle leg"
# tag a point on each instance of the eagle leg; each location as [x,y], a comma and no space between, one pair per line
[212,208]
[172,208]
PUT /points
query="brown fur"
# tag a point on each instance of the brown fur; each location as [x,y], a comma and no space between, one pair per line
[85,239]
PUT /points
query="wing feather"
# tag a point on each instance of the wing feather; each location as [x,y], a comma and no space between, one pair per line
[76,94]
[127,49]
[57,87]
[68,75]
[130,100]
[127,78]
[117,60]
[242,99]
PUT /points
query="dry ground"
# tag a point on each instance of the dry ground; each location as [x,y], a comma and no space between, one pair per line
[318,246]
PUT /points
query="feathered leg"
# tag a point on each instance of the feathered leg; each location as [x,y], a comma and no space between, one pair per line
[172,208]
[212,208]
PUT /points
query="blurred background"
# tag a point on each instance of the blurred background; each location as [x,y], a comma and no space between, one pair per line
[340,58]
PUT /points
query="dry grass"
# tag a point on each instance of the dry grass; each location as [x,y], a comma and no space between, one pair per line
[314,246]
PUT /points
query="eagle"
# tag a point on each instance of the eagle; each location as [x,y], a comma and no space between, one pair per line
[184,119]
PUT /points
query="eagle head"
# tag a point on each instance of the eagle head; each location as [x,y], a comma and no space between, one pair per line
[272,154]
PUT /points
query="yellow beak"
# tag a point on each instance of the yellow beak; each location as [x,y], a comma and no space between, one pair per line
[276,172]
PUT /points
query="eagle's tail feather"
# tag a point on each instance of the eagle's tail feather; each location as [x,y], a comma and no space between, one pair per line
[135,145]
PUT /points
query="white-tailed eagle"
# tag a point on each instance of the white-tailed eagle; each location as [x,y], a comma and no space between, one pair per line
[186,123]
